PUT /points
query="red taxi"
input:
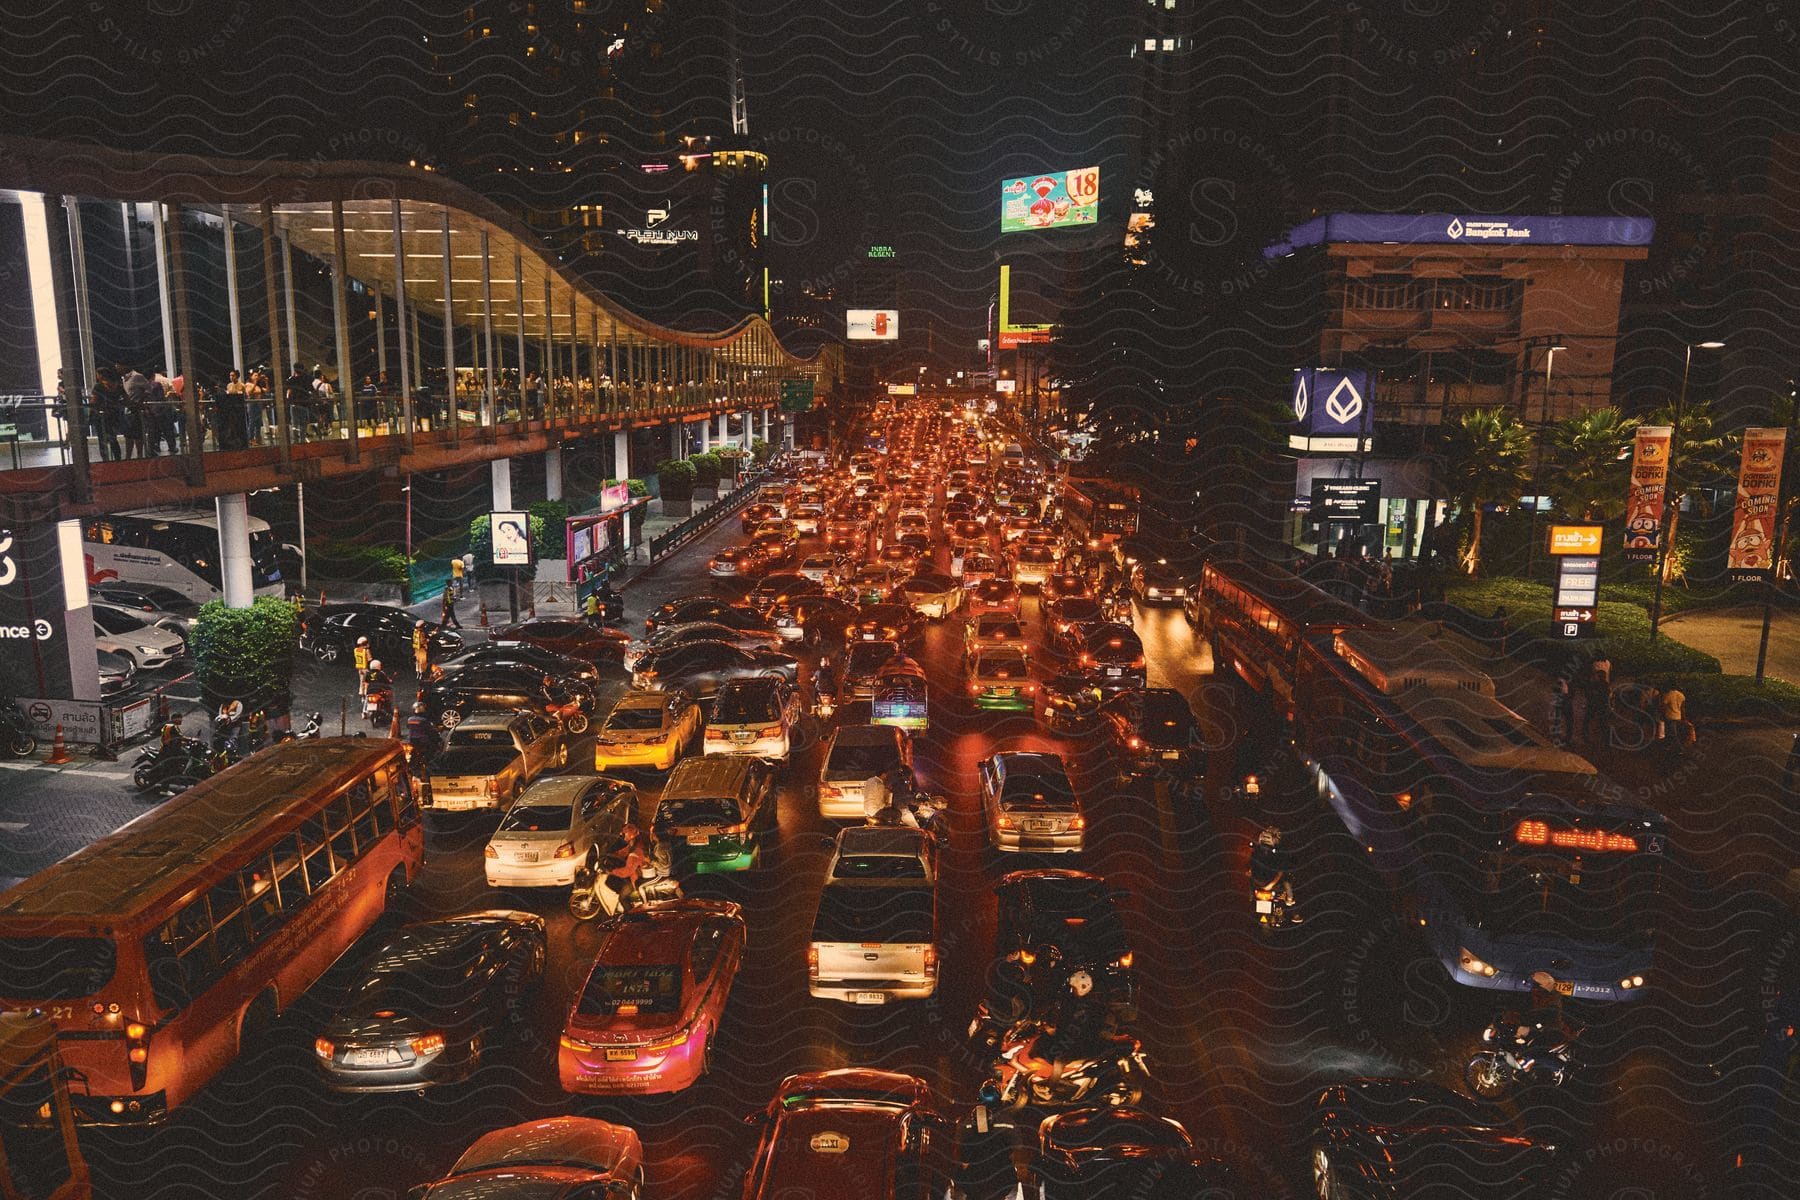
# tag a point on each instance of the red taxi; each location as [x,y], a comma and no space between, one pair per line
[647,1017]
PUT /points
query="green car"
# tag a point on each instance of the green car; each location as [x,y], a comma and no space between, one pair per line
[1000,679]
[715,813]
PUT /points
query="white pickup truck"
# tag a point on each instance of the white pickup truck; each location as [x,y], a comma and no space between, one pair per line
[874,939]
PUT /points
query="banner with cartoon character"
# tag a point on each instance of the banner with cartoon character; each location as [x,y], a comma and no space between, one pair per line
[1752,553]
[1644,498]
[1050,201]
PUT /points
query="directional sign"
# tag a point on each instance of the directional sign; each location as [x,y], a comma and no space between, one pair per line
[796,395]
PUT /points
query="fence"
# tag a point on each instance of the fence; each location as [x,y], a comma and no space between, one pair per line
[673,539]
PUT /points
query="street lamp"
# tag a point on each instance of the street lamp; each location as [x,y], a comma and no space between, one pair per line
[1662,540]
[407,492]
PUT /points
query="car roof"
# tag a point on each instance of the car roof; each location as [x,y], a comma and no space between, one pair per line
[577,1141]
[882,839]
[865,735]
[645,935]
[488,719]
[639,699]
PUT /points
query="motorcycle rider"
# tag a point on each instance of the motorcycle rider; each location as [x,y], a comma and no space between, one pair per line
[422,741]
[1269,869]
[228,724]
[378,688]
[633,852]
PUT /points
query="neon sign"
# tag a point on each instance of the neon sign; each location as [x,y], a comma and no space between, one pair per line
[1539,833]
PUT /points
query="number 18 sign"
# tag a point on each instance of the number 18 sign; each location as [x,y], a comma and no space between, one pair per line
[1050,201]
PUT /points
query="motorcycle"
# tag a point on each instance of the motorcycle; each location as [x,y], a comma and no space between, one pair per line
[914,810]
[16,732]
[1112,1074]
[378,706]
[160,768]
[600,892]
[1515,1053]
[312,729]
[1270,900]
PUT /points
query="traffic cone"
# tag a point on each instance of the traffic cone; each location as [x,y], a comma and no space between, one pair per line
[483,613]
[321,597]
[59,752]
[394,723]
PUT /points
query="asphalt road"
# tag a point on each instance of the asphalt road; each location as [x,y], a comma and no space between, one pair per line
[1241,1032]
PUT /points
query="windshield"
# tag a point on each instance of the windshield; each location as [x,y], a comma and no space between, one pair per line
[635,718]
[879,866]
[861,761]
[1001,664]
[55,968]
[638,990]
[1036,554]
[483,738]
[848,913]
[868,656]
[697,810]
[536,818]
[116,622]
[1582,898]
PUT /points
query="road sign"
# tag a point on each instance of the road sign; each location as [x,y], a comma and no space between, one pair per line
[796,395]
[1575,539]
[1577,596]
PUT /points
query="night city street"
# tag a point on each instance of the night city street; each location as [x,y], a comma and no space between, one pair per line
[582,619]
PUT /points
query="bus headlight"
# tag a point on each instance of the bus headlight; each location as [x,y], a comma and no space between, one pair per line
[1630,982]
[1473,965]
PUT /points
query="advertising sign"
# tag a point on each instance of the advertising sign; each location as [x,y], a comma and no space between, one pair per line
[1751,556]
[1644,495]
[615,496]
[1577,586]
[1005,385]
[1333,409]
[1024,335]
[1051,201]
[1478,229]
[512,538]
[1353,501]
[902,389]
[1575,539]
[872,324]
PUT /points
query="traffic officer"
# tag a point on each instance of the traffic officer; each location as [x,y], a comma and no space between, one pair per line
[421,644]
[360,657]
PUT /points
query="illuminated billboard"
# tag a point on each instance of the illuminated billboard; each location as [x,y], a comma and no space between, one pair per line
[1050,201]
[872,324]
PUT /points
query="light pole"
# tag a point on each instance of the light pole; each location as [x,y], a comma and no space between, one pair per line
[1537,471]
[407,492]
[1672,498]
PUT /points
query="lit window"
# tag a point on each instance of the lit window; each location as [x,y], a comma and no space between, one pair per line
[1168,43]
[1149,43]
[469,100]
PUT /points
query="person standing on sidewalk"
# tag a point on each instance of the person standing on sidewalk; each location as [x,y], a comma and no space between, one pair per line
[447,617]
[456,575]
[1674,718]
[1562,711]
[421,643]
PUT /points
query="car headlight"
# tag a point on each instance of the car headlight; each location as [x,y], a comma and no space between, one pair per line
[149,649]
[1473,965]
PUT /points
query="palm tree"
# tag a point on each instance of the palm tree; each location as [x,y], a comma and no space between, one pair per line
[1701,460]
[1590,455]
[1486,453]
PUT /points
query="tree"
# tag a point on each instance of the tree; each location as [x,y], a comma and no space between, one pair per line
[246,653]
[1486,456]
[1590,460]
[1701,460]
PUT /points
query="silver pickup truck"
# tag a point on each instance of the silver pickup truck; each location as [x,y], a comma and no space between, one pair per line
[873,943]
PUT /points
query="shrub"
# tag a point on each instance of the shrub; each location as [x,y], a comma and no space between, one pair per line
[246,654]
[1711,695]
[760,450]
[549,526]
[707,468]
[353,562]
[677,478]
[1624,629]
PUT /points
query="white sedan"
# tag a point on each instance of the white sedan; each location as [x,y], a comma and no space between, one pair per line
[147,646]
[555,826]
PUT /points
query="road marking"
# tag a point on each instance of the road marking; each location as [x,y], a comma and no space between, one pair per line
[13,826]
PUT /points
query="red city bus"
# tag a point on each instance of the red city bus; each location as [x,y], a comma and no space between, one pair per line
[1099,512]
[164,948]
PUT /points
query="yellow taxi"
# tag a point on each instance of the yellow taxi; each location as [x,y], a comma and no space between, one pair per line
[647,729]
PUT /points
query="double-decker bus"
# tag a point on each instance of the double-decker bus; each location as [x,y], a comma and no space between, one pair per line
[1259,617]
[1497,842]
[174,548]
[39,1157]
[167,947]
[1099,512]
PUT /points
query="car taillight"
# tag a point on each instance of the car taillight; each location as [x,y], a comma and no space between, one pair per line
[566,850]
[974,689]
[137,1042]
[1006,822]
[812,962]
[493,788]
[490,852]
[1078,822]
[716,735]
[769,731]
[426,1044]
[1031,689]
[1136,743]
[324,1048]
[931,961]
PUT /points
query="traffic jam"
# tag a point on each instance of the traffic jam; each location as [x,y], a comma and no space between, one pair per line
[895,753]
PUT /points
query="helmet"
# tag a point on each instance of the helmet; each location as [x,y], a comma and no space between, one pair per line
[1081,983]
[375,665]
[419,707]
[362,641]
[419,624]
[1270,836]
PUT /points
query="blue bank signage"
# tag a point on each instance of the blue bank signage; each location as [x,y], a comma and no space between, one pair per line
[1474,229]
[1333,410]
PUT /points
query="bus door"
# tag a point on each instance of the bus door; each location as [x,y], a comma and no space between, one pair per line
[39,1157]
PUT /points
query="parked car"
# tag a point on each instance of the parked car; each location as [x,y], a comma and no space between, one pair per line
[858,759]
[699,668]
[389,628]
[851,1133]
[647,729]
[149,647]
[153,605]
[489,758]
[116,673]
[597,644]
[571,1158]
[647,1017]
[754,716]
[430,999]
[716,813]
[1028,803]
[554,827]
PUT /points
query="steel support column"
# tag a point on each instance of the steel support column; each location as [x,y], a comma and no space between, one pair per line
[340,318]
[401,332]
[277,375]
[450,408]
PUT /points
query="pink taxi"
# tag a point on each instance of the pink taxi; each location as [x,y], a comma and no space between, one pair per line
[647,1017]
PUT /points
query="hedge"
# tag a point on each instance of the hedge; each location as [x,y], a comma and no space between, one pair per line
[760,450]
[246,654]
[1712,695]
[707,468]
[1624,629]
[353,562]
[677,477]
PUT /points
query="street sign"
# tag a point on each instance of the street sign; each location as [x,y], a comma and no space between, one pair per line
[796,395]
[1347,501]
[1577,596]
[1575,539]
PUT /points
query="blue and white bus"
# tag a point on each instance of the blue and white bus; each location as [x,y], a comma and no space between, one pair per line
[1499,844]
[174,548]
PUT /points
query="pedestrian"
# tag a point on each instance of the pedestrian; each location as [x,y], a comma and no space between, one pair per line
[324,400]
[468,560]
[456,575]
[1676,727]
[447,613]
[107,414]
[360,658]
[235,406]
[1598,687]
[1791,772]
[1562,711]
[421,644]
[298,393]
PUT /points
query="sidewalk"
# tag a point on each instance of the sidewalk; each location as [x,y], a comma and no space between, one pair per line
[1731,635]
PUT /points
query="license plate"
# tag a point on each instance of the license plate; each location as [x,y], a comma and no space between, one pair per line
[1041,826]
[1004,691]
[869,997]
[1115,671]
[740,735]
[699,839]
[1171,755]
[525,856]
[1265,906]
[621,1054]
[370,1058]
[868,637]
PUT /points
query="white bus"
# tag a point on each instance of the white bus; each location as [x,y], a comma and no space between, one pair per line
[173,548]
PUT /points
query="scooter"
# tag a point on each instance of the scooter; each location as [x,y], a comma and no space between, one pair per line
[1515,1053]
[378,706]
[162,767]
[599,892]
[16,732]
[312,729]
[1113,1075]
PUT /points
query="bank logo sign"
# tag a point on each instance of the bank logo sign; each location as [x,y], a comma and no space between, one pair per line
[1333,410]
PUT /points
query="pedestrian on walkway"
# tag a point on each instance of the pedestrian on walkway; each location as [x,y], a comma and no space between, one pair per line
[447,617]
[1598,687]
[360,657]
[1676,728]
[1791,773]
[456,575]
[1562,712]
[421,644]
[468,561]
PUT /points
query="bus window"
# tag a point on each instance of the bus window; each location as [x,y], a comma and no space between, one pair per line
[408,805]
[31,1136]
[362,808]
[55,968]
[382,811]
[264,906]
[231,929]
[337,825]
[290,877]
[316,846]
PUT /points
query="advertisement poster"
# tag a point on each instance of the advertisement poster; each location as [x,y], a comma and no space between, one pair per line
[1051,201]
[1644,497]
[872,324]
[1751,556]
[512,538]
[1333,410]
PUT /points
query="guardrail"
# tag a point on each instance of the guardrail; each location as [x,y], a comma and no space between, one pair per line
[672,540]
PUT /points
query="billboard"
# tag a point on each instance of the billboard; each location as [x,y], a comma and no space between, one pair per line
[1352,501]
[872,324]
[1751,555]
[1052,201]
[1007,386]
[1644,497]
[1333,410]
[1478,229]
[512,538]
